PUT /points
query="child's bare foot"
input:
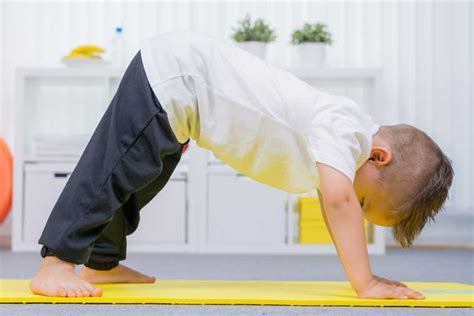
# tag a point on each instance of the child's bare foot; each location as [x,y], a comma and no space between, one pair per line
[119,274]
[57,278]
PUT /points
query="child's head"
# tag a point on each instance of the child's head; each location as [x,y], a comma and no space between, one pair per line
[405,181]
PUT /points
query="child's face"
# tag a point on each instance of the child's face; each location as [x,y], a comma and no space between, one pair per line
[375,202]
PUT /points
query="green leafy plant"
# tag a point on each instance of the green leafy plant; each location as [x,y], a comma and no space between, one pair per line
[315,33]
[257,31]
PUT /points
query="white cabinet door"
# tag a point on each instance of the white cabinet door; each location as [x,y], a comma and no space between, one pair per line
[42,189]
[164,219]
[244,212]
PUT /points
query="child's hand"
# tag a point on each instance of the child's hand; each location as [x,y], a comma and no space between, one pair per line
[389,282]
[379,289]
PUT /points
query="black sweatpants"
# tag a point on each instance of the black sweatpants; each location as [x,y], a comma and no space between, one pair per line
[128,160]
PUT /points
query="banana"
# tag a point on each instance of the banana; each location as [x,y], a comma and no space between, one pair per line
[85,52]
[81,56]
[88,49]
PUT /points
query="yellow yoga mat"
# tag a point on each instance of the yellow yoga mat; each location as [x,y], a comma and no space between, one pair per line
[302,293]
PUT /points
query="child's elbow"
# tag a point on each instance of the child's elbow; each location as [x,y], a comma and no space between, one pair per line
[338,202]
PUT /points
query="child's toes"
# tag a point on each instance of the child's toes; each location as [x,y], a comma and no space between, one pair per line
[79,292]
[85,291]
[89,288]
[70,292]
[96,292]
[60,291]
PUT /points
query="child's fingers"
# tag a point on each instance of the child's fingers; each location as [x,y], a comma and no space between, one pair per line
[396,283]
[383,290]
[393,292]
[409,293]
[387,281]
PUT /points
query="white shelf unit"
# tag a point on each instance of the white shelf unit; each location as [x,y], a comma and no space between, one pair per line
[60,101]
[206,208]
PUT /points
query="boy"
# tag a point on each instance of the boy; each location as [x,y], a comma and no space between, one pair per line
[266,124]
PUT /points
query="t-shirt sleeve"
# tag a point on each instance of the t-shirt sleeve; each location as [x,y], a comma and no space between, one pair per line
[342,141]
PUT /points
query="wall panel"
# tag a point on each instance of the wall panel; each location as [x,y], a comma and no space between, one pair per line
[425,49]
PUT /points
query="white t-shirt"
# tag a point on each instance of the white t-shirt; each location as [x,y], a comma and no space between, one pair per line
[262,121]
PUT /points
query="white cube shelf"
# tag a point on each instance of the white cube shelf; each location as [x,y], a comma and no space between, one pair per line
[62,102]
[206,207]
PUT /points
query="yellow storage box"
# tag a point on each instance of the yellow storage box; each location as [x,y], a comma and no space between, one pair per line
[314,232]
[309,208]
[311,222]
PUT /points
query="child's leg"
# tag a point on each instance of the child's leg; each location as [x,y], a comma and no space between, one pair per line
[125,154]
[110,248]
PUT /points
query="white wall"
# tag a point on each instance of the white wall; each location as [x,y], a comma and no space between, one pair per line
[426,49]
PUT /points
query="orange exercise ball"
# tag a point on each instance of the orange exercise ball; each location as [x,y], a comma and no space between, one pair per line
[6,180]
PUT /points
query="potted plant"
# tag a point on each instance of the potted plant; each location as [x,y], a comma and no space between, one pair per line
[253,36]
[311,42]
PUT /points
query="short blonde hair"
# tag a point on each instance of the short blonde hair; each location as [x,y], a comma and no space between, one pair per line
[420,173]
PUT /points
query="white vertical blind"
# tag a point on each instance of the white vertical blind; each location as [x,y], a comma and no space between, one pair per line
[425,48]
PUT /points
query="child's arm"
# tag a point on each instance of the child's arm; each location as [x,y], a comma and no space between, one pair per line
[345,221]
[383,280]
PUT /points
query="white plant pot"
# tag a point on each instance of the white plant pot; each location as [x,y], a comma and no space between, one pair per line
[253,47]
[311,55]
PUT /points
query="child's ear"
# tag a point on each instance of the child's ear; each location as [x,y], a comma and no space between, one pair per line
[382,156]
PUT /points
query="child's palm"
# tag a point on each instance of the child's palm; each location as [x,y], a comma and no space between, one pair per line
[386,289]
